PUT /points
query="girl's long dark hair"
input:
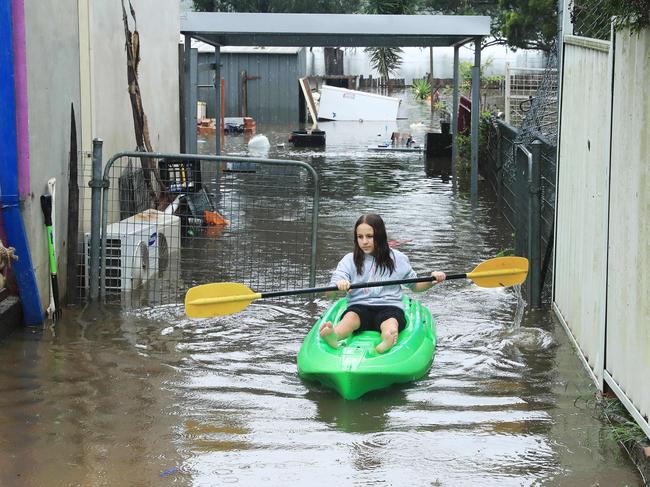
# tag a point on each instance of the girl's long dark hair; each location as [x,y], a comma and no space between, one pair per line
[382,253]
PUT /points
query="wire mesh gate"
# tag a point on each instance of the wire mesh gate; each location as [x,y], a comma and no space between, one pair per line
[172,221]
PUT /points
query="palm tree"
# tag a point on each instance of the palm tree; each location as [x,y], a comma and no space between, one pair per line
[387,60]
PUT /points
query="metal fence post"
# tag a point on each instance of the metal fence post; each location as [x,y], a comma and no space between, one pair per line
[498,165]
[476,115]
[534,223]
[96,183]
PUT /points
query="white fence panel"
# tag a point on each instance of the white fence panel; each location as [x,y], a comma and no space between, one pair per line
[628,289]
[581,216]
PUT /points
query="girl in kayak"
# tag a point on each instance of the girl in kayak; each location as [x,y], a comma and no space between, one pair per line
[374,308]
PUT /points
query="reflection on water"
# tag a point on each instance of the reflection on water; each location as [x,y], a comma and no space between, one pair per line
[151,397]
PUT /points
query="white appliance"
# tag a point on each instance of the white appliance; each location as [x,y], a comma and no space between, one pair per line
[137,249]
[343,104]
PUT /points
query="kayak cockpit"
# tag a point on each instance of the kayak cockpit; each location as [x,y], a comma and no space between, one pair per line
[355,367]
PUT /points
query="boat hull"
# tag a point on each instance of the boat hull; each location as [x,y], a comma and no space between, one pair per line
[356,368]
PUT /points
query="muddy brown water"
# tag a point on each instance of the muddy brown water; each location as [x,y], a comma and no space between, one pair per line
[150,397]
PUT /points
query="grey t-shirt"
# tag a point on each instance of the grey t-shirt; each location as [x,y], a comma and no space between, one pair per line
[374,296]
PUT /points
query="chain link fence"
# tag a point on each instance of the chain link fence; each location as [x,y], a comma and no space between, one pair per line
[591,18]
[541,113]
[594,18]
[520,163]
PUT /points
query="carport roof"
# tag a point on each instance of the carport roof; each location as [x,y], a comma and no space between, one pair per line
[333,30]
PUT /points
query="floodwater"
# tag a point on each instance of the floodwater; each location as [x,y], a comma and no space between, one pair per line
[150,397]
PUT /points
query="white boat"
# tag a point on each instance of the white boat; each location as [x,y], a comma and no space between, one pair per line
[343,104]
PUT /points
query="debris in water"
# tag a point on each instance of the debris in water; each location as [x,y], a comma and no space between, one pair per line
[167,472]
[393,244]
[259,146]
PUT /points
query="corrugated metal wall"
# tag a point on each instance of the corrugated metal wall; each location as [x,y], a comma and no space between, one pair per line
[272,98]
[581,242]
[628,289]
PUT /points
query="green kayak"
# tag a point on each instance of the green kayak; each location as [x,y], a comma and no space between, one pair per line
[355,367]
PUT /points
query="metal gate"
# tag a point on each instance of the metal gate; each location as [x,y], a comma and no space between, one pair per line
[172,221]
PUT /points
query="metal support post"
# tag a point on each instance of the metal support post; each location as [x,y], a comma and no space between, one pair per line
[217,99]
[454,120]
[191,80]
[534,223]
[96,183]
[476,113]
[507,95]
[498,166]
[431,77]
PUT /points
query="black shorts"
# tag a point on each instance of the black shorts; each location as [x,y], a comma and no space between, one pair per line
[373,316]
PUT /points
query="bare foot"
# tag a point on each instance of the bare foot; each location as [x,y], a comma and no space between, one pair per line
[328,334]
[387,343]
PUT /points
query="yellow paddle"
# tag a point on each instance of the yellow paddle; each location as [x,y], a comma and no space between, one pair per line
[224,298]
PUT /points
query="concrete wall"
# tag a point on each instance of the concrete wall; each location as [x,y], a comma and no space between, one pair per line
[159,26]
[75,54]
[581,236]
[52,45]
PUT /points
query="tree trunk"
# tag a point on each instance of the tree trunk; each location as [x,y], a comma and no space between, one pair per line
[151,175]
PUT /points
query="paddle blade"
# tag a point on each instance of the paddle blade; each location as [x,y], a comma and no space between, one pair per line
[500,272]
[218,299]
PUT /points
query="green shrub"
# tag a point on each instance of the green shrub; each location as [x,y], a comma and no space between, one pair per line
[464,160]
[421,89]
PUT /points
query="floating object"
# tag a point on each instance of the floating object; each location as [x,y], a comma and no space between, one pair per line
[390,148]
[312,137]
[343,104]
[167,472]
[259,145]
[214,218]
[399,142]
[206,126]
[250,126]
[233,125]
[307,138]
[438,154]
[180,176]
[355,367]
[393,244]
